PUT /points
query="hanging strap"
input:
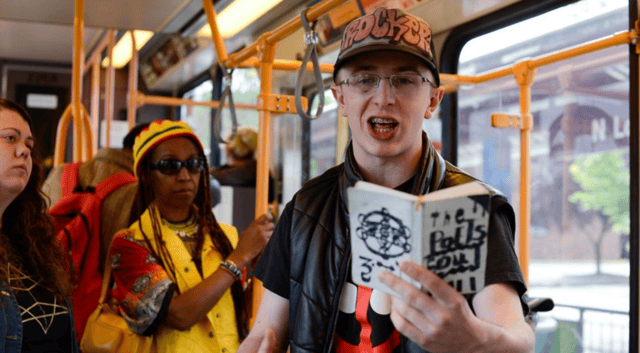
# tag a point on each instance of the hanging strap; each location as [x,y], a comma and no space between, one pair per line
[226,83]
[311,41]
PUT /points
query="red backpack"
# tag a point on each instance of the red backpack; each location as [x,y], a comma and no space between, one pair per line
[77,217]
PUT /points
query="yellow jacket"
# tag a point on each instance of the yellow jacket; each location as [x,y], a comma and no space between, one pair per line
[218,332]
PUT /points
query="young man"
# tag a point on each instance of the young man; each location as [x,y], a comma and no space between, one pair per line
[386,82]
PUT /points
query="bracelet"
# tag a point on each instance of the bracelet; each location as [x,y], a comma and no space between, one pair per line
[231,267]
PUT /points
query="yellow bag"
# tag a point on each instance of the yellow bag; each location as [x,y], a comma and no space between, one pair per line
[107,332]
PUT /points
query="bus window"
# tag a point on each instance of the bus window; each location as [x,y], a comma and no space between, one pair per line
[245,87]
[323,137]
[579,166]
[199,117]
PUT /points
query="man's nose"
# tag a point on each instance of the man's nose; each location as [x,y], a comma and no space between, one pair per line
[385,93]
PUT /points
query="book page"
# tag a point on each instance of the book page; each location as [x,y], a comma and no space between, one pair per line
[473,188]
[381,236]
[446,231]
[454,242]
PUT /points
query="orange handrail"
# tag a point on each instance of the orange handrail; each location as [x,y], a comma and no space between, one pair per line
[82,136]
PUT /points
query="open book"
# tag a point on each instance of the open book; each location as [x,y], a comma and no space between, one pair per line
[445,231]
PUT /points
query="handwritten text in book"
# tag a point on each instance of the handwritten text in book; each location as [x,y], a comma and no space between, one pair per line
[455,240]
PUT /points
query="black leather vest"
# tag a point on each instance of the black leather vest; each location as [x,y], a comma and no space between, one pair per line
[320,248]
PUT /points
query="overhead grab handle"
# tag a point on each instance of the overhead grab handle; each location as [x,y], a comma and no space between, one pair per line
[226,84]
[311,41]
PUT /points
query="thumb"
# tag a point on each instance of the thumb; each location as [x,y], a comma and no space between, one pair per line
[268,342]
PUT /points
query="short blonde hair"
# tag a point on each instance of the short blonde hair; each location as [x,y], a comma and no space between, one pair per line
[243,143]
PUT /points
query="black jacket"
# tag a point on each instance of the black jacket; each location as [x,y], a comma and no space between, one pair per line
[320,247]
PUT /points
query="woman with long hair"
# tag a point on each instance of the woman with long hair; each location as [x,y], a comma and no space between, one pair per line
[34,284]
[178,272]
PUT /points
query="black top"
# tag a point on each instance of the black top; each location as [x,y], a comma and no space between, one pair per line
[502,266]
[46,325]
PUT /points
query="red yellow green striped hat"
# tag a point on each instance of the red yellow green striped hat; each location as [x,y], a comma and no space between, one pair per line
[159,131]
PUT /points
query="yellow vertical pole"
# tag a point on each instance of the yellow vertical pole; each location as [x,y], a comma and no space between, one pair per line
[215,32]
[264,150]
[76,80]
[95,101]
[109,88]
[264,137]
[524,74]
[132,105]
[87,152]
[61,136]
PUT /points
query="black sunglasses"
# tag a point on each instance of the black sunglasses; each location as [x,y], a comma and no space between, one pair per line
[174,166]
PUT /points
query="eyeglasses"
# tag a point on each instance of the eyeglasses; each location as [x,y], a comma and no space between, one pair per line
[174,166]
[406,83]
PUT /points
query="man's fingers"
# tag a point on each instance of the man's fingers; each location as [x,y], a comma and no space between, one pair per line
[429,280]
[407,291]
[268,342]
[409,330]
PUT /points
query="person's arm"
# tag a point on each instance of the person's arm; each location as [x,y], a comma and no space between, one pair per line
[442,321]
[192,306]
[270,332]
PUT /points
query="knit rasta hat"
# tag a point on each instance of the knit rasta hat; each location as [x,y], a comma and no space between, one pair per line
[157,132]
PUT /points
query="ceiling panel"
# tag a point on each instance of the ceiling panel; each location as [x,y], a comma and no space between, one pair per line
[152,15]
[39,42]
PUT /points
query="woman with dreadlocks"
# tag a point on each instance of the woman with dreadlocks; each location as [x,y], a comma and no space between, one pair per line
[35,314]
[177,270]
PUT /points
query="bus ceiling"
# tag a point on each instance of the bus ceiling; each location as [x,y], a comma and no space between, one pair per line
[49,24]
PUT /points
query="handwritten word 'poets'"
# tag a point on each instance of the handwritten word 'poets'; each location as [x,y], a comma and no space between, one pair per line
[455,241]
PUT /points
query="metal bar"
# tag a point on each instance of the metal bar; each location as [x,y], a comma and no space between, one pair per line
[143,99]
[616,39]
[95,102]
[96,55]
[61,137]
[133,83]
[294,65]
[524,73]
[87,136]
[281,32]
[76,79]
[525,184]
[287,65]
[264,151]
[215,32]
[109,88]
[611,41]
[634,185]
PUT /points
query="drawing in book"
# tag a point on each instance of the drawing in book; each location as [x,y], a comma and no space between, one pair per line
[445,231]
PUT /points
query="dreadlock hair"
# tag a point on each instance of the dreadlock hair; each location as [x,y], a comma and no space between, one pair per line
[28,242]
[207,224]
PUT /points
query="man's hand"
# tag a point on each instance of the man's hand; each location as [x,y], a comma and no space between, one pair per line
[440,319]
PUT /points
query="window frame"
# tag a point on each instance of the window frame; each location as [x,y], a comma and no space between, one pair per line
[517,12]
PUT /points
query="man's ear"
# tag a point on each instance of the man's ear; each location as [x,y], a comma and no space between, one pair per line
[434,101]
[339,96]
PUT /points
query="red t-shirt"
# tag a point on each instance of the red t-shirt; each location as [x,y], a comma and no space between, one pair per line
[364,323]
